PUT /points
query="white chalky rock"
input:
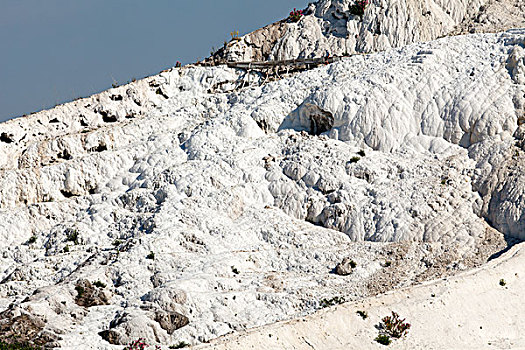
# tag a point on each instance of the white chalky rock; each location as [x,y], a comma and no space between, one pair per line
[329,27]
[246,212]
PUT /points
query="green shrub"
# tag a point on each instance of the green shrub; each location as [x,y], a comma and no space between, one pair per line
[179,345]
[72,236]
[383,339]
[502,282]
[354,159]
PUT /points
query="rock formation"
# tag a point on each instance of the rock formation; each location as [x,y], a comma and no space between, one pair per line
[206,200]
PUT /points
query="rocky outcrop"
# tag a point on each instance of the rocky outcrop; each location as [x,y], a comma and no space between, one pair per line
[88,295]
[20,327]
[330,27]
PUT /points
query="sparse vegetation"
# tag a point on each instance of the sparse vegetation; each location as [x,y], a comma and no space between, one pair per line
[150,256]
[66,249]
[139,344]
[353,264]
[502,282]
[394,326]
[235,35]
[359,7]
[383,339]
[116,243]
[179,345]
[99,284]
[72,236]
[295,15]
[31,240]
[235,270]
[361,153]
[331,302]
[355,159]
[80,291]
[363,314]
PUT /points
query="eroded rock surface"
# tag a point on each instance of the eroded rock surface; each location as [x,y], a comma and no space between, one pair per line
[330,27]
[199,222]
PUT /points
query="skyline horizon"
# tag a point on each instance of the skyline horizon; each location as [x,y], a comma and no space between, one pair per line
[67,51]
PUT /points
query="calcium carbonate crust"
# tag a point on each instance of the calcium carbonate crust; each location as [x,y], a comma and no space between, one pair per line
[245,207]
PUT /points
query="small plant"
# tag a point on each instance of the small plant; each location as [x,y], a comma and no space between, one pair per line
[295,15]
[72,236]
[387,263]
[80,291]
[363,314]
[383,339]
[353,264]
[502,282]
[139,344]
[179,345]
[31,240]
[150,256]
[114,84]
[66,249]
[235,270]
[116,243]
[178,64]
[361,153]
[355,159]
[331,302]
[99,284]
[358,8]
[235,35]
[394,326]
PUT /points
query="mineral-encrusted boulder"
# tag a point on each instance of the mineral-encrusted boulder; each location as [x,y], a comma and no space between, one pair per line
[171,321]
[345,267]
[88,295]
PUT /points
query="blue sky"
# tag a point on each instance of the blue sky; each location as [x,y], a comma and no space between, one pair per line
[53,51]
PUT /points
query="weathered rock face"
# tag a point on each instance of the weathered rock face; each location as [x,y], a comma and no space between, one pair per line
[416,149]
[330,27]
[17,326]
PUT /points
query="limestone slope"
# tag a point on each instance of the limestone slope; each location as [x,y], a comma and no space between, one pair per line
[469,311]
[206,202]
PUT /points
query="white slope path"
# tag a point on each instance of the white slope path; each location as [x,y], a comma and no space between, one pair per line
[468,311]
